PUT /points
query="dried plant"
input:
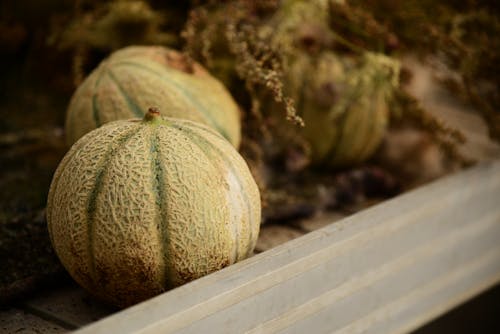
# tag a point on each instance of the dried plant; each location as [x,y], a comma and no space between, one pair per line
[461,35]
[232,31]
[109,26]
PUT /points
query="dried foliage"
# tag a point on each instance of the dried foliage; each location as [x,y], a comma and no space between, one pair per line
[262,42]
[407,108]
[226,38]
[360,28]
[461,35]
[108,26]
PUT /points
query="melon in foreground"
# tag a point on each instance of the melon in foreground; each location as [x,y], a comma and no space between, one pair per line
[140,206]
[130,80]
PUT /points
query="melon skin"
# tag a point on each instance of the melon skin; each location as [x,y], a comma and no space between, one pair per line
[132,79]
[138,207]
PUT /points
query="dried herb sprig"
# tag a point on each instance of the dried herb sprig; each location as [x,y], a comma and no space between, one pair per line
[254,59]
[446,137]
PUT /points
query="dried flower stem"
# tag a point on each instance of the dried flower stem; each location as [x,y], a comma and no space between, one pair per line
[255,61]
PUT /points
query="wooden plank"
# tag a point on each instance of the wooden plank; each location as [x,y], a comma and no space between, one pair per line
[376,299]
[69,306]
[18,321]
[393,266]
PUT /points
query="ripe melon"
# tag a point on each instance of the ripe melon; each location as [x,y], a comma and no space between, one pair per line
[140,206]
[134,78]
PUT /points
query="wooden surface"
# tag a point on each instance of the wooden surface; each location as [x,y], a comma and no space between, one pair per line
[18,321]
[388,269]
[69,306]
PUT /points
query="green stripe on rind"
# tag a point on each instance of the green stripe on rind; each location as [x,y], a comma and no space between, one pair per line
[81,144]
[136,110]
[96,189]
[189,97]
[229,165]
[330,156]
[375,133]
[158,185]
[368,134]
[354,130]
[69,124]
[95,107]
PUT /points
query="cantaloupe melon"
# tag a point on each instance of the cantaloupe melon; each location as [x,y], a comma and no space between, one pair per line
[140,206]
[345,106]
[344,98]
[134,78]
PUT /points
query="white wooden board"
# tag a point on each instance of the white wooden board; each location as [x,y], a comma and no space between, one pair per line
[19,322]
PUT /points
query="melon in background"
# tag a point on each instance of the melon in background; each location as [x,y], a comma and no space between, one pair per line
[132,79]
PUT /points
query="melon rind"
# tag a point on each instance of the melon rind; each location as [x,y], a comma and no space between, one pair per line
[137,207]
[134,78]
